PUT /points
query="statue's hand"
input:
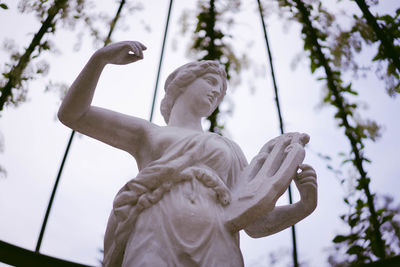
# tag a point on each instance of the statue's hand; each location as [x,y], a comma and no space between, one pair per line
[306,182]
[121,53]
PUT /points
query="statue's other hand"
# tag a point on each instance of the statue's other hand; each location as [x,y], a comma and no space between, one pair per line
[306,183]
[121,53]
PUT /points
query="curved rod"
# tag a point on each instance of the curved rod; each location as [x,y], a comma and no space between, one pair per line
[17,256]
[295,258]
[161,60]
[53,193]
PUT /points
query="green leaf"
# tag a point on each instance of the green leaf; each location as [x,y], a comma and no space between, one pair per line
[313,66]
[352,222]
[360,204]
[345,161]
[3,6]
[356,249]
[387,218]
[340,238]
[380,211]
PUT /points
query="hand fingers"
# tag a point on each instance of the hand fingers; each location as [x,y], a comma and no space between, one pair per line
[306,170]
[307,173]
[268,146]
[305,166]
[130,58]
[140,49]
[136,50]
[306,180]
[306,176]
[286,138]
[308,192]
[142,46]
[275,157]
[257,161]
[260,156]
[255,164]
[308,189]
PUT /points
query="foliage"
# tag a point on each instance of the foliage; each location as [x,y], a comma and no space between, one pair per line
[315,36]
[211,43]
[3,6]
[386,33]
[95,22]
[346,43]
[354,249]
[25,66]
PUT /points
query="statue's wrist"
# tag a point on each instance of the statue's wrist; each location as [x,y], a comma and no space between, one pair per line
[99,59]
[307,205]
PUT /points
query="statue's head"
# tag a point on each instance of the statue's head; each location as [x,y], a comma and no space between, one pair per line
[178,81]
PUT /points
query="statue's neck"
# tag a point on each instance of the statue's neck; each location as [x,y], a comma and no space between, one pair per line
[186,124]
[183,117]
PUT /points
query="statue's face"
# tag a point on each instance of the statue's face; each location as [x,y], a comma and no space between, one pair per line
[203,94]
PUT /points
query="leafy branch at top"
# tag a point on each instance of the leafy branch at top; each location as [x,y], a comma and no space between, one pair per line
[12,83]
[24,66]
[386,30]
[380,31]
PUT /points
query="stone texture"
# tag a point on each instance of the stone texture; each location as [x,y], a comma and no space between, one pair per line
[195,190]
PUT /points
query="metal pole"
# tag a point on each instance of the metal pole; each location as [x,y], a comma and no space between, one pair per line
[295,260]
[53,193]
[160,62]
[60,170]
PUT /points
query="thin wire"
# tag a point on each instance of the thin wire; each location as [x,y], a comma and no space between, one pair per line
[53,193]
[295,258]
[60,170]
[160,62]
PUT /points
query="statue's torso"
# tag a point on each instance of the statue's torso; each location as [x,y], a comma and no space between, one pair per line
[185,227]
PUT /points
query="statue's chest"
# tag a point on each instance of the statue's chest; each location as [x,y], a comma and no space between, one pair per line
[166,140]
[205,148]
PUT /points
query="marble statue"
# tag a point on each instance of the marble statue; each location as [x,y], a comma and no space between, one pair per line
[195,190]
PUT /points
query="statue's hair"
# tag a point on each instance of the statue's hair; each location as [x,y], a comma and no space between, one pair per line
[178,80]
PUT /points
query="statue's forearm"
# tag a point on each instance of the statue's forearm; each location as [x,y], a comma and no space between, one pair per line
[278,219]
[80,94]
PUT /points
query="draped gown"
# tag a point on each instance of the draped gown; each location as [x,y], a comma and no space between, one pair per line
[171,214]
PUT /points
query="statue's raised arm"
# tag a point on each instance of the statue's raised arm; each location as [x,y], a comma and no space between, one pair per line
[116,129]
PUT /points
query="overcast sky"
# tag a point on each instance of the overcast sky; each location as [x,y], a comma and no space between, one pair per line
[34,141]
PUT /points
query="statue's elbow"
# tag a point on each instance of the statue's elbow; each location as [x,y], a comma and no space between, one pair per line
[253,234]
[66,118]
[62,117]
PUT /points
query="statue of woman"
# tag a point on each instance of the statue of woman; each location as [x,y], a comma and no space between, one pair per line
[186,205]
